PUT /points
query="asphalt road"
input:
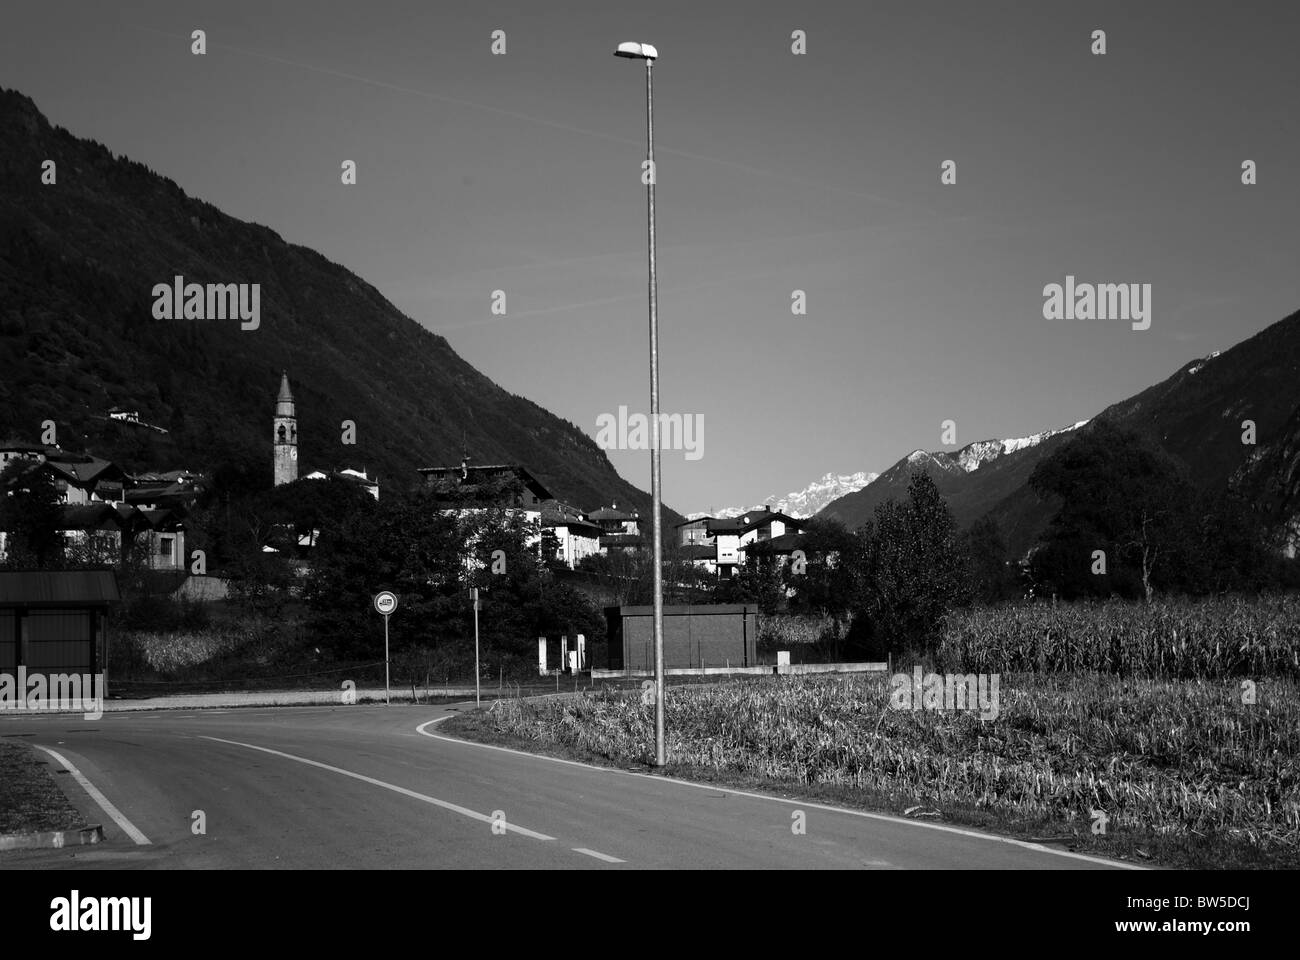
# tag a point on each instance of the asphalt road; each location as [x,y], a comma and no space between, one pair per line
[378,787]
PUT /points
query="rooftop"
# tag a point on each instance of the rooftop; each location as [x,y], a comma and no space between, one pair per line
[56,587]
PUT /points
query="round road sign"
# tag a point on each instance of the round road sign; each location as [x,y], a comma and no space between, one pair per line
[385,602]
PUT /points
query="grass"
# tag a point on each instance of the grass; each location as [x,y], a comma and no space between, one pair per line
[1187,775]
[30,800]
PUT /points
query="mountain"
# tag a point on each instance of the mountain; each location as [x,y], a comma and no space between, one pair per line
[79,260]
[806,502]
[973,480]
[1197,415]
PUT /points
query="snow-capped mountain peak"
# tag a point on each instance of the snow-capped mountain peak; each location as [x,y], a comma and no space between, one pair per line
[805,502]
[974,455]
[818,494]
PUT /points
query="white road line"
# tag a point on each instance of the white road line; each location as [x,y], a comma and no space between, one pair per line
[802,804]
[105,804]
[455,808]
[599,856]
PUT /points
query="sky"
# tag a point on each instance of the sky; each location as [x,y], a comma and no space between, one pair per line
[775,172]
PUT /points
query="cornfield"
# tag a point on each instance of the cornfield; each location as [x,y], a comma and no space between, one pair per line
[1157,757]
[1175,640]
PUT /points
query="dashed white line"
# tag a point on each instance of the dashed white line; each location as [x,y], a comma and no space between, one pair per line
[446,805]
[804,804]
[105,804]
[598,855]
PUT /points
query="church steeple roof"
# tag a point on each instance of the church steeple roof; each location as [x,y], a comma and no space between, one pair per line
[285,394]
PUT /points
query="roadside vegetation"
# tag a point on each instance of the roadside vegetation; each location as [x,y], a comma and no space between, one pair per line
[30,800]
[1185,774]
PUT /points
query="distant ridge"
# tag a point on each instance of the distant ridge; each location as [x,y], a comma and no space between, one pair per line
[1198,415]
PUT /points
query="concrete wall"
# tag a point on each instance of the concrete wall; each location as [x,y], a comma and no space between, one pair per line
[792,669]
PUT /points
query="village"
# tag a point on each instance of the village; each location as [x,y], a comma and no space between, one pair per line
[108,515]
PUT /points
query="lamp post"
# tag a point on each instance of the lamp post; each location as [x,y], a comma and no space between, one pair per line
[644,51]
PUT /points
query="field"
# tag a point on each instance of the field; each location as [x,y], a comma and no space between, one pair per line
[1198,640]
[1182,760]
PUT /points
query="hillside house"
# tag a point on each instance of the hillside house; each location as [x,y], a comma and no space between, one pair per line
[620,530]
[575,535]
[348,475]
[105,513]
[495,486]
[766,524]
[733,536]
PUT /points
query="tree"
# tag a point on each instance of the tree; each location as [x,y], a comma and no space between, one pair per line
[914,572]
[30,513]
[833,575]
[758,581]
[993,579]
[431,556]
[1121,495]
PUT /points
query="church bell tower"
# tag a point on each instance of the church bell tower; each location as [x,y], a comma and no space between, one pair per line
[285,435]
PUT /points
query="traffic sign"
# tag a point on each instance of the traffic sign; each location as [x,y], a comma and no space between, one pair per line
[385,602]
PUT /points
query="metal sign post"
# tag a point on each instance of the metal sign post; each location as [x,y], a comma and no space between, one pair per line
[477,700]
[386,603]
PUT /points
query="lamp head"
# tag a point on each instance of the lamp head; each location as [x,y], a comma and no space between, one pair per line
[637,51]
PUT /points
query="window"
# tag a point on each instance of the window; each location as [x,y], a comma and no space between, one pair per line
[165,546]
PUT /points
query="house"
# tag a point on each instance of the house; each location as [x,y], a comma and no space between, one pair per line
[106,514]
[615,522]
[105,534]
[781,548]
[575,535]
[132,417]
[766,524]
[22,451]
[82,478]
[165,490]
[703,556]
[163,535]
[501,486]
[696,531]
[620,531]
[733,536]
[469,489]
[348,475]
[725,533]
[93,532]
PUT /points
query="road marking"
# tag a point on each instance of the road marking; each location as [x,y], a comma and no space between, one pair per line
[105,804]
[802,804]
[599,856]
[446,805]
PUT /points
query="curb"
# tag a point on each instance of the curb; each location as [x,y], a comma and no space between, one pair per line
[52,838]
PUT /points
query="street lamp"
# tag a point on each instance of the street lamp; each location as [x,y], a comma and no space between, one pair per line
[644,51]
